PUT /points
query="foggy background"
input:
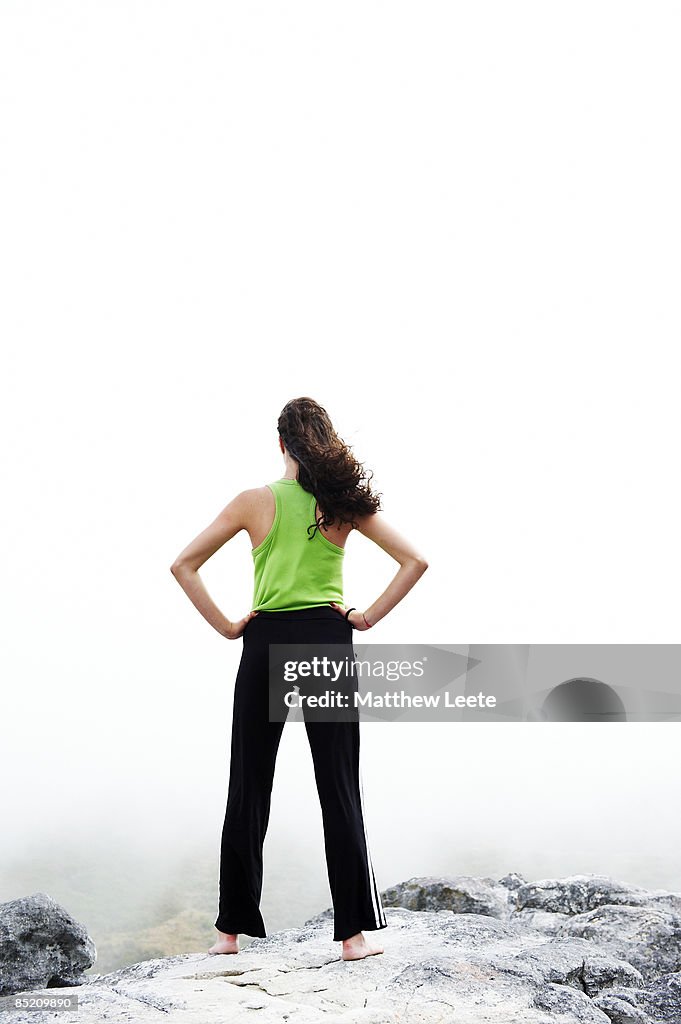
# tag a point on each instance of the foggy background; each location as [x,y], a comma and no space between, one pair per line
[456,227]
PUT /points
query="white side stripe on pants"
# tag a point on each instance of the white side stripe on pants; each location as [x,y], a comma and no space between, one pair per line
[375,895]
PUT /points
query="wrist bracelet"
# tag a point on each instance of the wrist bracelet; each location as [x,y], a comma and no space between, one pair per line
[367,624]
[347,613]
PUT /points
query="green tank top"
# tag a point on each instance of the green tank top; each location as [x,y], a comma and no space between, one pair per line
[293,568]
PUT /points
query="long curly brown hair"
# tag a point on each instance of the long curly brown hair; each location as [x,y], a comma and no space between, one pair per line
[326,466]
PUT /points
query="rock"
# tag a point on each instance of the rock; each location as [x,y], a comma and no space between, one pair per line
[657,1003]
[438,965]
[578,894]
[621,1010]
[541,920]
[462,894]
[662,999]
[41,945]
[647,937]
[441,964]
[568,1004]
[512,880]
[576,963]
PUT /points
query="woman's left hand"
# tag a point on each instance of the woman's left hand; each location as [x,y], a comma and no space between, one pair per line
[355,618]
[236,629]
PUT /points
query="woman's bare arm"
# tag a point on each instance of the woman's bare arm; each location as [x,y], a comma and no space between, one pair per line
[412,567]
[233,518]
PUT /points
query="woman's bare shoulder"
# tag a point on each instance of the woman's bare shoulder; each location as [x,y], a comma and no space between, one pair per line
[256,494]
[249,502]
[253,495]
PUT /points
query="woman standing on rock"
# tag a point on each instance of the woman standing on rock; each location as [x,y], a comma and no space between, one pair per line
[298,527]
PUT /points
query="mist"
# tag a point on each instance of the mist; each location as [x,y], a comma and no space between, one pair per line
[460,252]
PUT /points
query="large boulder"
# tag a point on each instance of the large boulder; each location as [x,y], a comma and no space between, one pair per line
[648,937]
[462,894]
[41,945]
[577,894]
[584,962]
[437,966]
[657,1003]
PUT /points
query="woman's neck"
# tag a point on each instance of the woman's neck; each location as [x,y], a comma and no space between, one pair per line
[290,468]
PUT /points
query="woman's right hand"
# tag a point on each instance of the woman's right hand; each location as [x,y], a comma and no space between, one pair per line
[235,629]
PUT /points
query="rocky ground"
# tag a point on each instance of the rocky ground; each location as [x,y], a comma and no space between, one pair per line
[463,949]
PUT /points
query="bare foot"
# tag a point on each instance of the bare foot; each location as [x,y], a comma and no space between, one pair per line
[225,944]
[357,947]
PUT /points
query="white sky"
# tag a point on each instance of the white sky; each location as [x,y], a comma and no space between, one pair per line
[456,226]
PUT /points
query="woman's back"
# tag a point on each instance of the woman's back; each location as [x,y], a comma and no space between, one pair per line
[295,567]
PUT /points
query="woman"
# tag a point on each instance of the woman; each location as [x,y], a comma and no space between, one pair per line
[298,527]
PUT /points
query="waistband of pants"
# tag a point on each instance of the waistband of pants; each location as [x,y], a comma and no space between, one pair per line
[323,611]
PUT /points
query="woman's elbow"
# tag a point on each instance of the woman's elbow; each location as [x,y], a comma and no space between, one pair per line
[421,564]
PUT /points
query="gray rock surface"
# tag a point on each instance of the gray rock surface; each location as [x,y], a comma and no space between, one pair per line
[512,880]
[463,894]
[647,937]
[659,1002]
[578,894]
[441,964]
[41,945]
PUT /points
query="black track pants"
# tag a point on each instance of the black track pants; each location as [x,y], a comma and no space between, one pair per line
[335,754]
